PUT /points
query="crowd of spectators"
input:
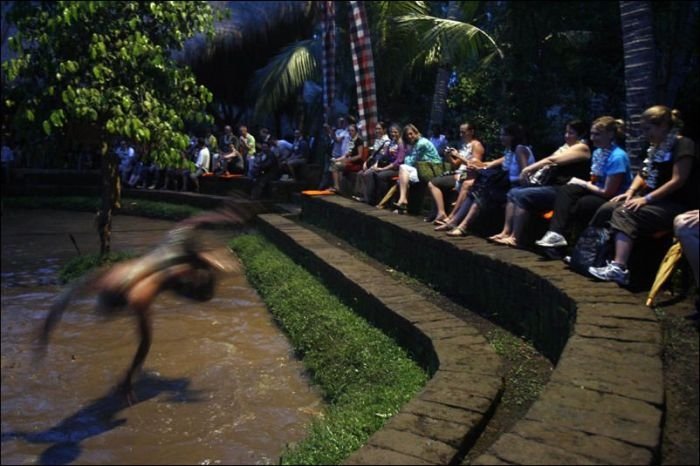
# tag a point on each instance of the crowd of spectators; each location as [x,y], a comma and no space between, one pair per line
[587,182]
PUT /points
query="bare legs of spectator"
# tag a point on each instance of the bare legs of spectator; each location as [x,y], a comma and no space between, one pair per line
[507,231]
[472,214]
[404,185]
[439,199]
[337,174]
[457,213]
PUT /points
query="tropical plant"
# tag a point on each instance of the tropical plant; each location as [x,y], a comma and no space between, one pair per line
[99,71]
[445,42]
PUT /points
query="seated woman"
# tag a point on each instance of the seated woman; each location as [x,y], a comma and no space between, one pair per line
[659,192]
[422,150]
[502,173]
[470,149]
[571,159]
[610,176]
[230,158]
[351,161]
[378,179]
[376,156]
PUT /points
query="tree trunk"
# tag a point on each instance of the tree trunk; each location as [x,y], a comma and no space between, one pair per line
[681,61]
[111,194]
[638,45]
[437,109]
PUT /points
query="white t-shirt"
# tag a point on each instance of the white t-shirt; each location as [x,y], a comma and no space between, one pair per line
[203,159]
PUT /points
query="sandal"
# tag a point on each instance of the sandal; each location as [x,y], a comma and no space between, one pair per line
[458,231]
[440,220]
[506,241]
[495,238]
[445,227]
[401,209]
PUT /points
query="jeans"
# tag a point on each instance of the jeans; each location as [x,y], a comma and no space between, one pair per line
[534,198]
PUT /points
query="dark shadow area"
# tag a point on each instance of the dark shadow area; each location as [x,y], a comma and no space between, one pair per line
[101,416]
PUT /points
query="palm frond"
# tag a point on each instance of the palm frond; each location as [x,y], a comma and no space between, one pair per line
[285,74]
[459,41]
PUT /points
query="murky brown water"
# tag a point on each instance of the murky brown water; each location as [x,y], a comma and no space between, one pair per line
[220,384]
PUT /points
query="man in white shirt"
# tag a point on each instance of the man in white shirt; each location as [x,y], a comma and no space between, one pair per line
[127,159]
[201,165]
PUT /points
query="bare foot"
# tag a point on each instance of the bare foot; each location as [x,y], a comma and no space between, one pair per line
[497,237]
[508,241]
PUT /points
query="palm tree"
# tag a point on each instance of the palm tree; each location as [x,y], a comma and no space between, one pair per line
[638,44]
[282,79]
[447,42]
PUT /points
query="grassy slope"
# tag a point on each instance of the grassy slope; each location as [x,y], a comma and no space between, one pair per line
[365,376]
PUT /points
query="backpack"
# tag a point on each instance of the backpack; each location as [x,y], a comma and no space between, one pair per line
[592,249]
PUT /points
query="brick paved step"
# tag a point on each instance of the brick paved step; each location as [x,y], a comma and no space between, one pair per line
[442,422]
[604,403]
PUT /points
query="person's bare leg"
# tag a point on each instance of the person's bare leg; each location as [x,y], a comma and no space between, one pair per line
[520,218]
[471,215]
[404,182]
[336,180]
[439,201]
[506,232]
[140,299]
[623,248]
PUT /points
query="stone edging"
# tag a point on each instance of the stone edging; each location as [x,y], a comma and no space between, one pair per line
[604,402]
[447,416]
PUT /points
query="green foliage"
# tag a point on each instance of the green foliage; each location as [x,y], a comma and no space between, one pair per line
[104,70]
[467,102]
[283,77]
[547,77]
[79,266]
[366,377]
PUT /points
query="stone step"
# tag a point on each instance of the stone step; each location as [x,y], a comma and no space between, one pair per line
[444,420]
[604,403]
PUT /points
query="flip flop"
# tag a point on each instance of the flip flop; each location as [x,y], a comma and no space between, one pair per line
[440,220]
[445,227]
[457,232]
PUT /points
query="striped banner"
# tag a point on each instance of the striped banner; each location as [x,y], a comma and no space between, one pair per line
[328,38]
[363,64]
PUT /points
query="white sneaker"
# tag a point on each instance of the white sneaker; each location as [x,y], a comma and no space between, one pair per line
[611,272]
[552,239]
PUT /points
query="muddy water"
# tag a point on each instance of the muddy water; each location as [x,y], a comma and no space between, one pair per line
[220,385]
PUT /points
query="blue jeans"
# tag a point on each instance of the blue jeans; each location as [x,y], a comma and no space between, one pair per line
[534,198]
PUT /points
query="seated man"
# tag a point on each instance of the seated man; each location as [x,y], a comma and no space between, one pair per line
[264,171]
[297,157]
[201,166]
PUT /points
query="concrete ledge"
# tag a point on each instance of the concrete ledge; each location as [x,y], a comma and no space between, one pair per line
[605,400]
[442,422]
